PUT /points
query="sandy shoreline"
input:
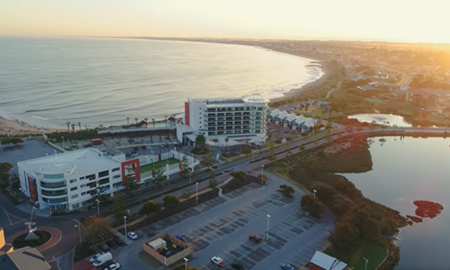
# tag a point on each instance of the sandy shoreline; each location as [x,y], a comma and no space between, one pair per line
[16,127]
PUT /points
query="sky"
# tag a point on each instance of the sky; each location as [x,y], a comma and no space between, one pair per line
[386,20]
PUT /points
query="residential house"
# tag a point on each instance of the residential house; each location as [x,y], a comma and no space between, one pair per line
[322,261]
[280,118]
[298,122]
[288,121]
[307,125]
[273,114]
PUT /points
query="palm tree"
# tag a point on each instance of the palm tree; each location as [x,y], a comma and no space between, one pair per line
[128,121]
[165,119]
[146,122]
[226,142]
[153,122]
[79,125]
[68,126]
[73,127]
[136,120]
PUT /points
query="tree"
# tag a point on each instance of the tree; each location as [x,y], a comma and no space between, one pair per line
[212,181]
[130,184]
[206,161]
[312,205]
[153,122]
[4,182]
[341,204]
[128,121]
[182,266]
[150,208]
[97,226]
[159,175]
[73,127]
[185,169]
[371,230]
[271,156]
[287,191]
[345,238]
[136,119]
[226,143]
[68,126]
[119,209]
[301,147]
[262,179]
[170,202]
[324,192]
[146,122]
[5,167]
[240,175]
[200,144]
[15,184]
[79,126]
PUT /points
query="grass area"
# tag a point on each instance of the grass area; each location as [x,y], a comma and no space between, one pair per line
[42,237]
[280,168]
[162,163]
[374,253]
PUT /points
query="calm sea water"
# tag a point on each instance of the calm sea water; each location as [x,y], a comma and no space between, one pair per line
[404,171]
[48,82]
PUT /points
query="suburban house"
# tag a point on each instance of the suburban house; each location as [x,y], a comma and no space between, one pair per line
[298,121]
[273,114]
[307,125]
[288,121]
[420,98]
[280,118]
[322,261]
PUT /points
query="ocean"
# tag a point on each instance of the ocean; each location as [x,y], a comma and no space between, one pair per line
[47,82]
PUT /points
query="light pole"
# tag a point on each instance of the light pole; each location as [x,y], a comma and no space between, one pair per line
[196,192]
[314,194]
[185,263]
[267,232]
[98,207]
[262,170]
[367,261]
[79,231]
[125,222]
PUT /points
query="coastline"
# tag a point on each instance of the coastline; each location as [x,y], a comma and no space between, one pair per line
[16,127]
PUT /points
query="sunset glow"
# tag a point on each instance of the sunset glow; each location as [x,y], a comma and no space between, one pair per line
[400,20]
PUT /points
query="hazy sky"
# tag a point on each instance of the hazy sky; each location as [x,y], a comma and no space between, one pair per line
[394,20]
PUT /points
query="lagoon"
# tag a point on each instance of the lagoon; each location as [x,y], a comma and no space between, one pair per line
[382,119]
[405,170]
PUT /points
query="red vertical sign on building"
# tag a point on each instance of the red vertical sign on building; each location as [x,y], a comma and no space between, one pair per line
[186,114]
[135,167]
[33,189]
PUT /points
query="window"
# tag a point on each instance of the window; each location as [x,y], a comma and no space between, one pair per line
[53,185]
[73,181]
[83,193]
[115,169]
[75,205]
[74,188]
[103,174]
[116,176]
[54,176]
[103,181]
[91,177]
[59,192]
[117,185]
[83,185]
[81,178]
[74,196]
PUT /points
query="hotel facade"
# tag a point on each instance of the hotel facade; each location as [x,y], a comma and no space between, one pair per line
[240,120]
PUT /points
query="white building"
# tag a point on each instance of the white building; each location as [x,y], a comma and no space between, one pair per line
[240,119]
[66,181]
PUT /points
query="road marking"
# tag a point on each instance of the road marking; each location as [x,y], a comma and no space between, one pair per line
[7,215]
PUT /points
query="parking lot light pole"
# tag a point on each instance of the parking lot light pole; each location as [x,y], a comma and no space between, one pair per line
[125,221]
[98,207]
[196,192]
[262,170]
[185,263]
[267,232]
[79,231]
[366,263]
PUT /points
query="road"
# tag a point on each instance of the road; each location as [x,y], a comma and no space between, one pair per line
[332,90]
[220,227]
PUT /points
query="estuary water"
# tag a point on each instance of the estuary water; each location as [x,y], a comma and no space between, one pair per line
[405,170]
[48,81]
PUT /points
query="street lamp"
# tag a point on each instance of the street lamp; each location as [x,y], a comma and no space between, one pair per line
[196,192]
[267,232]
[98,207]
[367,261]
[314,194]
[79,231]
[262,170]
[125,222]
[185,263]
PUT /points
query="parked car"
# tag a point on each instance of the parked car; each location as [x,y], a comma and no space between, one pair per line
[218,261]
[237,266]
[287,267]
[255,238]
[93,258]
[132,235]
[103,247]
[119,241]
[113,266]
[181,238]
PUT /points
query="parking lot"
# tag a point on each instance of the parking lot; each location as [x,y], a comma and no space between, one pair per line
[28,150]
[221,227]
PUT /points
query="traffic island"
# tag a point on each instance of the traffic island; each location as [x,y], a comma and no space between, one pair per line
[41,238]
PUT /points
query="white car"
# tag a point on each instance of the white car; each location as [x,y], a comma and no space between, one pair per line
[113,266]
[132,235]
[218,261]
[93,258]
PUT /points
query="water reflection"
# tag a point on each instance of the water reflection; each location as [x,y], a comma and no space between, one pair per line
[382,119]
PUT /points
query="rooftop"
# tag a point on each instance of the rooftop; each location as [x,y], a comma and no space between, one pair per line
[26,258]
[89,160]
[252,98]
[325,261]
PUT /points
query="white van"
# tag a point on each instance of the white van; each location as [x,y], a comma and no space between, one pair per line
[102,259]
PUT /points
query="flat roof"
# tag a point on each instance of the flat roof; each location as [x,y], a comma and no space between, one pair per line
[327,262]
[89,160]
[28,258]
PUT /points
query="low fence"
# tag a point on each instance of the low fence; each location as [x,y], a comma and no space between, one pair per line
[187,250]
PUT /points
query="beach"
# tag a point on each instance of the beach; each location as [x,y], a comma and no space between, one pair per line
[16,127]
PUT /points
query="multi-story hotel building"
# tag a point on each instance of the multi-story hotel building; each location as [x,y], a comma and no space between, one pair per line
[69,180]
[239,119]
